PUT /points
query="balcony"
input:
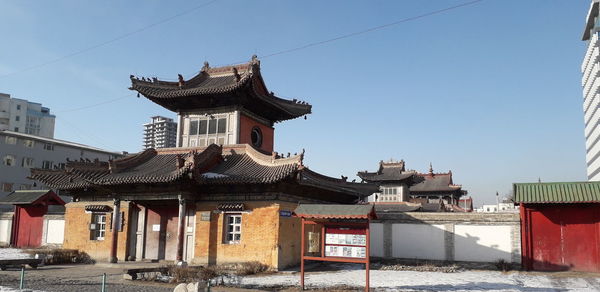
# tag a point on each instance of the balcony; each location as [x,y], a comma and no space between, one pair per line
[594,43]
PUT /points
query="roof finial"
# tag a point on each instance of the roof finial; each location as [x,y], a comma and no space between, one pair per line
[181,81]
[235,72]
[205,67]
[430,168]
[539,179]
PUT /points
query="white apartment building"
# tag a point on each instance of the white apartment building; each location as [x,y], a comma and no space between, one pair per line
[590,81]
[21,152]
[161,132]
[22,116]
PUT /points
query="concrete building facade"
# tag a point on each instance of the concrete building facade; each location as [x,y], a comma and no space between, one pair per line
[21,152]
[590,80]
[22,116]
[161,132]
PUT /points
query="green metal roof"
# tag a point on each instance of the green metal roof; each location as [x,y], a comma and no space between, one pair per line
[559,192]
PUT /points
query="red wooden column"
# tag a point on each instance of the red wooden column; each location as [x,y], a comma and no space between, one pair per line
[115,230]
[181,229]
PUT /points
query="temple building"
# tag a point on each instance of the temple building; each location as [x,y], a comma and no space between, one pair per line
[222,196]
[409,186]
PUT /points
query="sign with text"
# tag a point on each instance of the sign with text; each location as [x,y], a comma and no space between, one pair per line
[345,242]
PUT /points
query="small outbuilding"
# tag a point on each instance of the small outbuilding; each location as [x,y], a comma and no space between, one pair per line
[28,220]
[560,225]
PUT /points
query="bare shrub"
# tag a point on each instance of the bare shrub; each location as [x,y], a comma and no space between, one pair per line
[194,274]
[503,265]
[58,256]
[207,273]
[251,268]
[184,274]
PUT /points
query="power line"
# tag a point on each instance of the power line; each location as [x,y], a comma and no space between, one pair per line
[118,38]
[313,44]
[370,29]
[96,104]
[352,34]
[84,135]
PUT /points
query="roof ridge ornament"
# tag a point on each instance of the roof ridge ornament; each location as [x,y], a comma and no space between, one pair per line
[206,67]
[236,74]
[180,80]
[255,60]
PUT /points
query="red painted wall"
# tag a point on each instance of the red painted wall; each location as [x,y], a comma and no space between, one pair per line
[557,237]
[246,125]
[29,226]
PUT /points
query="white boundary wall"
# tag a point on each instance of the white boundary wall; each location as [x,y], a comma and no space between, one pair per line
[472,237]
[5,228]
[54,230]
[53,233]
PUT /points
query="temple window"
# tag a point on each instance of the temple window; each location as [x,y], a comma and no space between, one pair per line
[256,137]
[98,226]
[209,129]
[233,229]
[389,190]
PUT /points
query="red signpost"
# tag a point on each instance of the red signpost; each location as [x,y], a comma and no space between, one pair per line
[342,238]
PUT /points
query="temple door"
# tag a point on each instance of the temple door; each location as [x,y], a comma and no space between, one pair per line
[188,245]
[140,234]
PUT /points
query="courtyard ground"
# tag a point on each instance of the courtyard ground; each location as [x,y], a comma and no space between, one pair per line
[332,277]
[88,278]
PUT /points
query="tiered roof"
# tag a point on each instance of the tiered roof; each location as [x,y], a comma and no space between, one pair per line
[434,182]
[193,167]
[236,85]
[394,172]
[388,172]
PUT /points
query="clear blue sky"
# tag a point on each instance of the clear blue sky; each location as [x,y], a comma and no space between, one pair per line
[491,91]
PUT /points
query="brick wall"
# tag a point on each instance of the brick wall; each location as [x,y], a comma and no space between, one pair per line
[77,233]
[266,237]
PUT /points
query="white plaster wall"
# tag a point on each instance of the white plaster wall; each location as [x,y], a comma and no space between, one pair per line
[56,231]
[420,241]
[376,230]
[482,243]
[5,230]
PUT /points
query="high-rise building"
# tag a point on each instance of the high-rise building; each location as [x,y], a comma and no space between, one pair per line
[590,81]
[161,132]
[22,116]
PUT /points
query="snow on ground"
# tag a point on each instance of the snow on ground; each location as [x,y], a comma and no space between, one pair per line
[6,289]
[12,254]
[428,281]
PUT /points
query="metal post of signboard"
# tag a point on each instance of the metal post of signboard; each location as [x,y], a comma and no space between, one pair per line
[302,258]
[367,255]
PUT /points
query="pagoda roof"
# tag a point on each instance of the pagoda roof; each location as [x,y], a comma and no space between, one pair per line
[388,172]
[235,85]
[434,182]
[212,165]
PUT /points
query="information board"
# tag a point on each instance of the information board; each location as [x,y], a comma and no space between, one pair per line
[345,251]
[345,242]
